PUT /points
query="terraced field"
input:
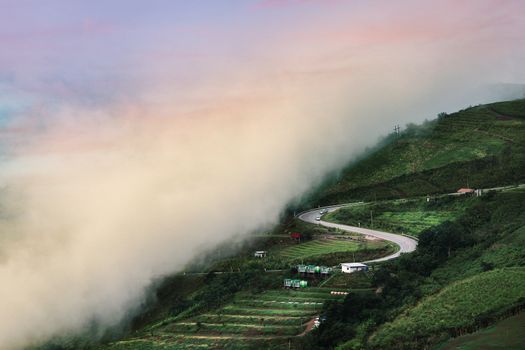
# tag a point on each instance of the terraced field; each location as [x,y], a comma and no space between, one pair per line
[265,320]
[319,247]
[414,222]
[405,216]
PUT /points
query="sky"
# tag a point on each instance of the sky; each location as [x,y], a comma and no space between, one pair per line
[95,51]
[136,135]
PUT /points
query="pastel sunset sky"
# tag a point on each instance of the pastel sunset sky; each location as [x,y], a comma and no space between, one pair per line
[137,135]
[101,51]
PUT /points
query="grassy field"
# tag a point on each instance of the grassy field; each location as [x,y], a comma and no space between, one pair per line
[403,216]
[507,334]
[456,307]
[356,281]
[249,321]
[183,342]
[318,247]
[326,248]
[283,250]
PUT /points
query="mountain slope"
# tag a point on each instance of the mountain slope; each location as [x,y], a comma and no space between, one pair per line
[481,146]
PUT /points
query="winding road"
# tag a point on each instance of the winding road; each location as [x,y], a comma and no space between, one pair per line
[406,244]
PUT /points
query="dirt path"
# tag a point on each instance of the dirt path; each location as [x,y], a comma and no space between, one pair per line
[309,326]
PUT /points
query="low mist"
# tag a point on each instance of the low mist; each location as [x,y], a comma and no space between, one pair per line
[99,199]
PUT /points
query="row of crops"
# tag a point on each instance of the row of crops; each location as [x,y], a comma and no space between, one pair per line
[413,222]
[457,306]
[319,247]
[270,319]
[409,217]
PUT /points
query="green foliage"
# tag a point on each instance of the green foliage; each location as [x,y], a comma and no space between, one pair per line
[510,108]
[410,216]
[318,247]
[473,145]
[342,320]
[489,235]
[472,299]
[506,334]
[249,320]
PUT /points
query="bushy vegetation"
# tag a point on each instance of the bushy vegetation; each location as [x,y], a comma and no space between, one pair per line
[506,334]
[488,236]
[454,310]
[313,249]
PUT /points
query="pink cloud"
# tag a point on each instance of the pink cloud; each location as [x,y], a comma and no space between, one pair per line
[283,3]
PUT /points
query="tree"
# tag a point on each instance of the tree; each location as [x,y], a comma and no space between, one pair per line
[442,115]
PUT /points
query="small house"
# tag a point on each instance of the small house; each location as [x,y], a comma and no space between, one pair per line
[301,268]
[465,191]
[312,269]
[353,267]
[325,270]
[293,283]
[260,254]
[296,236]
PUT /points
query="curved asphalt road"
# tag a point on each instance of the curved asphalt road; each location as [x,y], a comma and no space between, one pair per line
[406,244]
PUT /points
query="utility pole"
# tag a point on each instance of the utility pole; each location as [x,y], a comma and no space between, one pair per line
[396,130]
[371,219]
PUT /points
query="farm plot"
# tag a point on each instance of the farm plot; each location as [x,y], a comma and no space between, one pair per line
[272,317]
[413,222]
[403,216]
[185,342]
[318,247]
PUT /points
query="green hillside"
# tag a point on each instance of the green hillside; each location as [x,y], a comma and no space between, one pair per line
[506,334]
[467,273]
[456,282]
[455,308]
[468,270]
[249,321]
[482,146]
[406,216]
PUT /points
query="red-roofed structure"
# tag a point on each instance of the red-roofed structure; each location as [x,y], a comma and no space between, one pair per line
[296,235]
[465,190]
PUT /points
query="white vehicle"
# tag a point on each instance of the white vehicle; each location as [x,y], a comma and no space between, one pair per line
[318,218]
[323,211]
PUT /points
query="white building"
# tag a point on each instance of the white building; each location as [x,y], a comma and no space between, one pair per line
[260,253]
[353,267]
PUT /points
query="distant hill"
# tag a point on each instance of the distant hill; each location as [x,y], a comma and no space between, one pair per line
[468,270]
[481,146]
